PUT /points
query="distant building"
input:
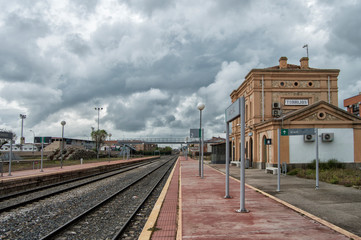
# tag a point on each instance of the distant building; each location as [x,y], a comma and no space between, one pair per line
[54,143]
[207,146]
[353,104]
[26,147]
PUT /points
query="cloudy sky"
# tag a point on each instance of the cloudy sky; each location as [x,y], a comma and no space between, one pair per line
[148,63]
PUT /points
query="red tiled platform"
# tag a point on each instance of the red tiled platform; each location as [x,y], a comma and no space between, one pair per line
[206,214]
[167,219]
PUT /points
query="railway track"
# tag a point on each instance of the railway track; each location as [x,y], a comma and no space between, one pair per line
[105,209]
[18,199]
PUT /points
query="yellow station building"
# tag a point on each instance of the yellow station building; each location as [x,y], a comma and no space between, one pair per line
[289,96]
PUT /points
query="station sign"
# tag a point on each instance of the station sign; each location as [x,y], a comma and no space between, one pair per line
[232,111]
[42,140]
[297,131]
[6,135]
[296,102]
[268,141]
[196,133]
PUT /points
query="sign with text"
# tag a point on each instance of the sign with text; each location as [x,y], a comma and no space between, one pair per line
[296,102]
[232,111]
[6,135]
[195,133]
[297,131]
[42,140]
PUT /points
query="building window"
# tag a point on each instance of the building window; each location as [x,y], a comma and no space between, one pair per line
[246,112]
[321,115]
[310,84]
[295,84]
[355,108]
[282,84]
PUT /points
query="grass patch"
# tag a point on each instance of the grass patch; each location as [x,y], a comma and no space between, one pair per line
[331,172]
[153,229]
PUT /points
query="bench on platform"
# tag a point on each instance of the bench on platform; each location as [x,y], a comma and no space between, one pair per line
[237,163]
[272,170]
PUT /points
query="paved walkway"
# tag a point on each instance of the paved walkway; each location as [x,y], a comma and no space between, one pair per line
[333,203]
[206,214]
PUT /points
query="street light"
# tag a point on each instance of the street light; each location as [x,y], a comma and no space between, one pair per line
[33,140]
[200,107]
[97,135]
[22,116]
[98,108]
[62,142]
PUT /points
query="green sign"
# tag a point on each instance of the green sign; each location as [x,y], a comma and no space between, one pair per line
[196,133]
[297,131]
[267,141]
[6,135]
[284,132]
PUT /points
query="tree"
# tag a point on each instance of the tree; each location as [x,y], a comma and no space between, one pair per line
[99,137]
[4,141]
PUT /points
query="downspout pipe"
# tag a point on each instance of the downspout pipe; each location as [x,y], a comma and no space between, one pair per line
[262,99]
[329,89]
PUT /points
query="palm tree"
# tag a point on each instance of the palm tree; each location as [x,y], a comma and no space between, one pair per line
[99,136]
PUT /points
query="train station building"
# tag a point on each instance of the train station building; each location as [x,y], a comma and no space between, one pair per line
[289,96]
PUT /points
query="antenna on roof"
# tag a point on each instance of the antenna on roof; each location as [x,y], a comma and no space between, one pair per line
[306,46]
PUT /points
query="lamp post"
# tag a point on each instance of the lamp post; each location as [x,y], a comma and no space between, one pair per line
[97,136]
[200,107]
[22,116]
[98,109]
[62,142]
[33,140]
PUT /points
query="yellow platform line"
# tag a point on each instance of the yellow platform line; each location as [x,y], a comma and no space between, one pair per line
[180,223]
[146,234]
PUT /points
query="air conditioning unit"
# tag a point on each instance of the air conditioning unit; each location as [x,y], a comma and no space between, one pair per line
[309,138]
[276,105]
[276,112]
[327,137]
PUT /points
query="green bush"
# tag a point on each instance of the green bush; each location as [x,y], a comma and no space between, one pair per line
[293,172]
[333,164]
[330,164]
[312,165]
[334,180]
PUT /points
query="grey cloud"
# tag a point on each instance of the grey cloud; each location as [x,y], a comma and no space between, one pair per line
[345,36]
[77,45]
[149,6]
[177,48]
[19,58]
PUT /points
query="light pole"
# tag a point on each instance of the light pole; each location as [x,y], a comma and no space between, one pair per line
[200,107]
[33,140]
[98,109]
[62,142]
[22,116]
[97,135]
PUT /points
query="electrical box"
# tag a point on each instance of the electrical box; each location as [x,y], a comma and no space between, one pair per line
[309,138]
[327,137]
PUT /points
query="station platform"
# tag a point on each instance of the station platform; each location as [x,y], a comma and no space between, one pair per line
[195,208]
[54,170]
